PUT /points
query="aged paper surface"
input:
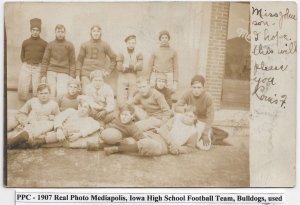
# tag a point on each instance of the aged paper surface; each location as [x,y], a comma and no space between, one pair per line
[228,43]
[273,98]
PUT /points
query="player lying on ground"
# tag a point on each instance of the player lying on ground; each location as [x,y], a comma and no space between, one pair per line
[177,136]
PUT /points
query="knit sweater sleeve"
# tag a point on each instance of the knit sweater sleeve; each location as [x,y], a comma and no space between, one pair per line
[164,130]
[23,52]
[80,59]
[135,132]
[210,114]
[183,100]
[46,60]
[120,60]
[22,114]
[112,56]
[175,66]
[139,63]
[151,64]
[163,106]
[72,61]
[92,127]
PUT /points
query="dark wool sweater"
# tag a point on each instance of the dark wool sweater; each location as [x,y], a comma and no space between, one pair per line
[92,56]
[59,57]
[127,130]
[33,50]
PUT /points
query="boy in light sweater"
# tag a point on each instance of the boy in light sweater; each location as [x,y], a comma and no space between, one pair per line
[32,53]
[101,98]
[92,56]
[128,64]
[164,60]
[58,62]
[69,99]
[177,136]
[160,85]
[203,103]
[151,107]
[35,118]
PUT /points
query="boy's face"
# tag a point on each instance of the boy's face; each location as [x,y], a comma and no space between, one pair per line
[83,109]
[143,88]
[72,89]
[197,89]
[97,82]
[189,118]
[160,83]
[131,44]
[164,39]
[43,95]
[60,34]
[35,32]
[96,33]
[126,117]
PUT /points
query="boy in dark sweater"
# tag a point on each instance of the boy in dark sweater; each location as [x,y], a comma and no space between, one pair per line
[160,86]
[58,62]
[203,104]
[121,130]
[92,56]
[31,56]
[69,99]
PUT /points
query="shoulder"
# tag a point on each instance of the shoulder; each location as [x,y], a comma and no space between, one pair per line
[69,44]
[43,41]
[208,98]
[187,94]
[107,87]
[53,103]
[156,93]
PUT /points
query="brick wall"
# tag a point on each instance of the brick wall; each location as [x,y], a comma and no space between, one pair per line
[216,50]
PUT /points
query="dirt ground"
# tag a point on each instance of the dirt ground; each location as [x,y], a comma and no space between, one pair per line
[222,166]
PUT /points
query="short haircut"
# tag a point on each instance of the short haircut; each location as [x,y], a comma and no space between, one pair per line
[59,27]
[43,86]
[81,99]
[142,79]
[127,107]
[96,73]
[96,26]
[72,81]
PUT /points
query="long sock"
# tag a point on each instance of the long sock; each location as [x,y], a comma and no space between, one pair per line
[128,148]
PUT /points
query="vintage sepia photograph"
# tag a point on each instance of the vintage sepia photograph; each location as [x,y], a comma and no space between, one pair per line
[123,94]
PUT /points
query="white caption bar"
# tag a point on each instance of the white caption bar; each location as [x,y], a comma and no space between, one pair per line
[139,198]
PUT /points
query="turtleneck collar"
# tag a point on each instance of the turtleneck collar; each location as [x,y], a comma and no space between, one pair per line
[71,96]
[130,50]
[35,38]
[164,44]
[95,40]
[60,40]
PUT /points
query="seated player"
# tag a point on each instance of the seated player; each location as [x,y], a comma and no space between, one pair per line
[121,129]
[160,85]
[69,99]
[35,118]
[177,136]
[102,98]
[151,107]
